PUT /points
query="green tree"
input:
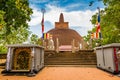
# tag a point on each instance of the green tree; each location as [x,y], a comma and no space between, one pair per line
[35,39]
[110,21]
[2,22]
[17,13]
[16,37]
[14,15]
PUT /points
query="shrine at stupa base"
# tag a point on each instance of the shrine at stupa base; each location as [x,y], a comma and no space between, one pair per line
[63,38]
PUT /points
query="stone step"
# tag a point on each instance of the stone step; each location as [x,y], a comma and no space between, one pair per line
[71,61]
[63,59]
[59,63]
[69,58]
[92,66]
[73,53]
[73,57]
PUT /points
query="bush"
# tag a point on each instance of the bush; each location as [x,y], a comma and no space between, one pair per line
[3,49]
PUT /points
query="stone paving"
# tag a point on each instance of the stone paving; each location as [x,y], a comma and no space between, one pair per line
[65,73]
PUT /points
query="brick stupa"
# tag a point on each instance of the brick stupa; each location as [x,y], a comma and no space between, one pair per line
[65,35]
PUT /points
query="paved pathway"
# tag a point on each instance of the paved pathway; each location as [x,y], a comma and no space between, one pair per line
[66,73]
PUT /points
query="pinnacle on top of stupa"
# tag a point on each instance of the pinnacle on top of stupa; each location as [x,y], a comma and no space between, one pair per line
[61,19]
[61,24]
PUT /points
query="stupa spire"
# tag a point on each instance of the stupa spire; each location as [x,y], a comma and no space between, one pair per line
[61,19]
[61,24]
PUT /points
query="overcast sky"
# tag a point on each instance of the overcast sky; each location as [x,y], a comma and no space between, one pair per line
[77,12]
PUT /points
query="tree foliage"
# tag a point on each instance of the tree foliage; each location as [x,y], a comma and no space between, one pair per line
[110,22]
[16,37]
[2,22]
[35,39]
[17,13]
[14,15]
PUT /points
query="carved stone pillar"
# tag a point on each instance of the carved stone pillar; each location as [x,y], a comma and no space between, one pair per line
[57,45]
[73,46]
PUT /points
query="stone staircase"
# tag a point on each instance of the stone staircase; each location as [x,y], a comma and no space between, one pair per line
[68,58]
[80,58]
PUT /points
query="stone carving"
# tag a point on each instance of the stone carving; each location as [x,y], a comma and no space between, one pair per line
[50,44]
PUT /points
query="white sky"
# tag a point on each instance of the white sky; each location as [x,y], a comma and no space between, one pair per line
[78,20]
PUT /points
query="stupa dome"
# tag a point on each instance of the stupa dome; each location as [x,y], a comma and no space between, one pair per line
[64,34]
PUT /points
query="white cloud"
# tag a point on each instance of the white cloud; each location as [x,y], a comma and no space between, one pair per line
[35,17]
[52,15]
[79,18]
[75,18]
[73,5]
